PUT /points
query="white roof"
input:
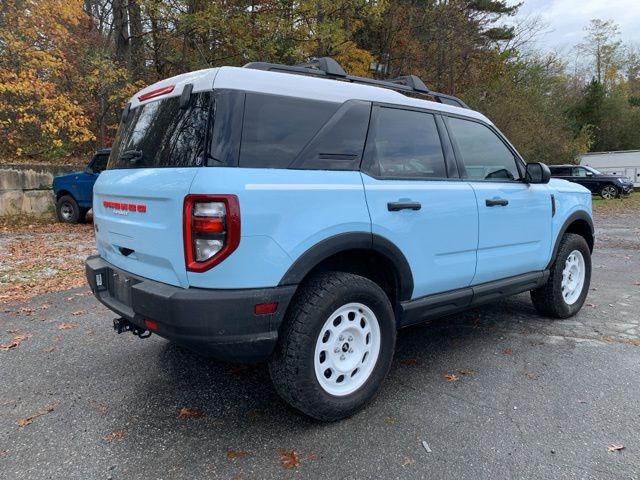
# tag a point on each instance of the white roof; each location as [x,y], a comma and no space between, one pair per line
[315,88]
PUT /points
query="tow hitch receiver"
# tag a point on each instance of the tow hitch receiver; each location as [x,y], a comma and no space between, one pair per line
[121,325]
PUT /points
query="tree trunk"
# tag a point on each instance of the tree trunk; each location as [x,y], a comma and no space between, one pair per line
[137,57]
[121,30]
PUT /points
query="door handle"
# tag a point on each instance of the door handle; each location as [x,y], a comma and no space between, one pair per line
[492,202]
[397,206]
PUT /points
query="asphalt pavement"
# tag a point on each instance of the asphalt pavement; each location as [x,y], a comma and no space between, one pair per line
[495,393]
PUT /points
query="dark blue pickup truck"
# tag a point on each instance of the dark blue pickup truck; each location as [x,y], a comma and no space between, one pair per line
[74,191]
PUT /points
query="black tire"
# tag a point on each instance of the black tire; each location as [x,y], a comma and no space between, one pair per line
[609,191]
[83,215]
[548,299]
[67,209]
[292,366]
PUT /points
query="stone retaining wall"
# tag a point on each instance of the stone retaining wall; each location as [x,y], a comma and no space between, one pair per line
[26,189]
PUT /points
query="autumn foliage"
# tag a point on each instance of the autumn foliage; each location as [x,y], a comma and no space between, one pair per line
[38,111]
[67,67]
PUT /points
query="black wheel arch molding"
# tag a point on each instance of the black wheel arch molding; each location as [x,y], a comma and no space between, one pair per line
[581,217]
[343,242]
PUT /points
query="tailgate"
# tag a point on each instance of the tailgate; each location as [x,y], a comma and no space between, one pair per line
[138,221]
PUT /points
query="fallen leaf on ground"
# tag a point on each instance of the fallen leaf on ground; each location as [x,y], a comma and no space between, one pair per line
[466,371]
[56,267]
[49,349]
[117,435]
[102,409]
[44,306]
[79,312]
[14,342]
[592,305]
[23,422]
[532,375]
[289,459]
[450,377]
[407,461]
[67,326]
[390,420]
[507,351]
[409,361]
[185,412]
[312,456]
[233,454]
[615,447]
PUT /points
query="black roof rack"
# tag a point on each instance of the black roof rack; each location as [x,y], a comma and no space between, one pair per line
[327,67]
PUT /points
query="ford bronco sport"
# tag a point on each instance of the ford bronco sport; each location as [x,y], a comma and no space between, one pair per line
[299,215]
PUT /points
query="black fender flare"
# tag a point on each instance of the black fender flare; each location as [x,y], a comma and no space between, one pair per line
[352,241]
[579,215]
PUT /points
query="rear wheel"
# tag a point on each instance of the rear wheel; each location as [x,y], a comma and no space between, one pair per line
[336,346]
[608,192]
[83,215]
[568,284]
[67,209]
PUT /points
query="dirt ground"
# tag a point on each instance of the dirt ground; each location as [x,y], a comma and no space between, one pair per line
[40,256]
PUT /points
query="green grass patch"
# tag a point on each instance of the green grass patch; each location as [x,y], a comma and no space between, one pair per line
[627,204]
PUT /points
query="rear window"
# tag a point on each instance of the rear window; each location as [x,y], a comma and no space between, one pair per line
[161,134]
[276,128]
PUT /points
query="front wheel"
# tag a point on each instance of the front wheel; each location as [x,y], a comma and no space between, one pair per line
[336,346]
[608,192]
[67,209]
[568,284]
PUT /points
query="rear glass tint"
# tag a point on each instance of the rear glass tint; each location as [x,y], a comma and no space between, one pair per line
[161,134]
[276,128]
[339,143]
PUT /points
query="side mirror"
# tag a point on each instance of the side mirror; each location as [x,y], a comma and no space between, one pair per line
[88,170]
[537,173]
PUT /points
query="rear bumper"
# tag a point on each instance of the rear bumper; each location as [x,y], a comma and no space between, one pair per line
[218,323]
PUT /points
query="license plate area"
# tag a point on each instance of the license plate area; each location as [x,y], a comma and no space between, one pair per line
[119,286]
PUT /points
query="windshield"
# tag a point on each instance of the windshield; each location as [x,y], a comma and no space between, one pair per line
[593,170]
[161,134]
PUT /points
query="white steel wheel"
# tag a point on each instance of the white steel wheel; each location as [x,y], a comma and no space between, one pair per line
[347,349]
[573,276]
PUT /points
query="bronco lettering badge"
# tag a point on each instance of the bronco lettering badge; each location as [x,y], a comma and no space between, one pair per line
[125,208]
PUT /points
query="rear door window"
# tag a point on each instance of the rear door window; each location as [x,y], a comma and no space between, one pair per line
[484,155]
[277,128]
[161,134]
[404,144]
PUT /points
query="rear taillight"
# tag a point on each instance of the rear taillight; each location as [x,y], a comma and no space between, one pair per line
[211,227]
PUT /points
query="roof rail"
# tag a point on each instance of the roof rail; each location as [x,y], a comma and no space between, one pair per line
[327,67]
[326,64]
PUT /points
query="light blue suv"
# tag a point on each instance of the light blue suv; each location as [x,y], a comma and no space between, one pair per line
[299,215]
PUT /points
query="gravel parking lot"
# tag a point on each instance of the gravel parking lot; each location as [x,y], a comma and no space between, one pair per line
[497,392]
